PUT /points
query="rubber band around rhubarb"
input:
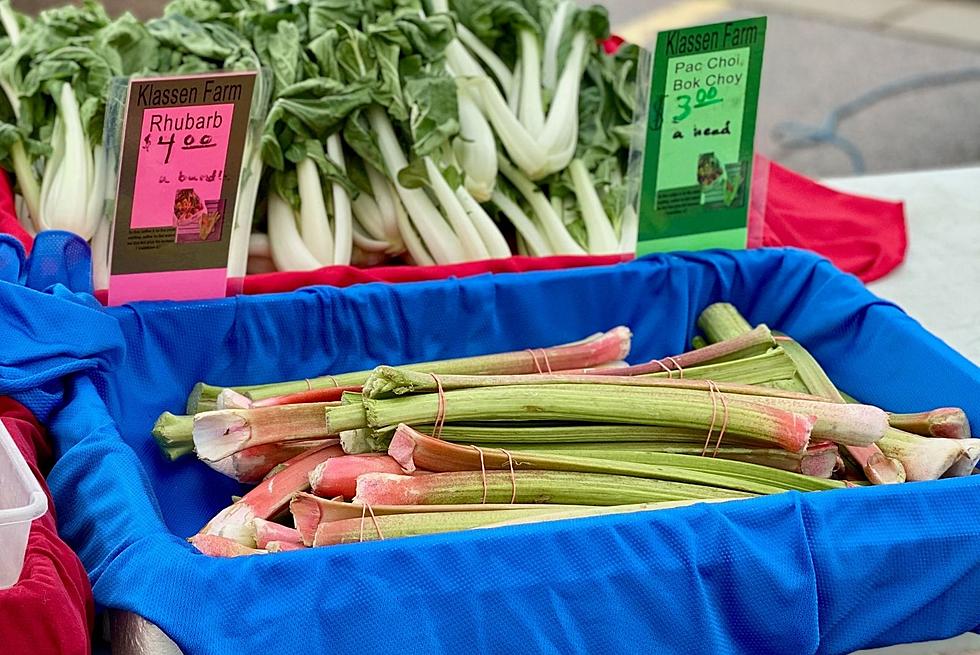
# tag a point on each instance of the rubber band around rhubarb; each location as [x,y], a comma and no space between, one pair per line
[724,421]
[547,364]
[714,416]
[535,358]
[440,408]
[366,507]
[513,477]
[483,470]
[679,368]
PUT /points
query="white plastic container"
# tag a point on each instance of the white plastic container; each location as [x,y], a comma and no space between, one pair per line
[21,501]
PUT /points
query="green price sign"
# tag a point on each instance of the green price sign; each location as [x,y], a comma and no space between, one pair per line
[697,161]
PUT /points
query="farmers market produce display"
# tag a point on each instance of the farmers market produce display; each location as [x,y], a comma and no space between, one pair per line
[545,434]
[421,132]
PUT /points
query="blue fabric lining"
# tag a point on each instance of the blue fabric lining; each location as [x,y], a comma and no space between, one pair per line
[795,573]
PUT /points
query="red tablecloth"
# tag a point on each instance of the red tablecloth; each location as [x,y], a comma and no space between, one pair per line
[50,609]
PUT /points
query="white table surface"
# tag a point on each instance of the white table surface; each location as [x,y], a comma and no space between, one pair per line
[939,282]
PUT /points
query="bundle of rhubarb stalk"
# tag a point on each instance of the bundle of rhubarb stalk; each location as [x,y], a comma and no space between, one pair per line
[544,434]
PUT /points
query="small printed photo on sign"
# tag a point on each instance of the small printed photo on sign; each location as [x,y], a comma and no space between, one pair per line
[721,186]
[197,220]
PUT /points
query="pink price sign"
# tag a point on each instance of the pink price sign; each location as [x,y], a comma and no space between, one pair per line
[181,157]
[181,165]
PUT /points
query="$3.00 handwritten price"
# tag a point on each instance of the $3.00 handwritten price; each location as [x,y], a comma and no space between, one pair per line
[703,98]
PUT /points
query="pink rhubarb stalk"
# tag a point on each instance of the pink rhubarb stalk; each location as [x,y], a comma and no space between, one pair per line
[266,531]
[310,511]
[283,546]
[310,396]
[268,499]
[754,342]
[253,464]
[222,433]
[216,546]
[338,476]
[945,422]
[595,350]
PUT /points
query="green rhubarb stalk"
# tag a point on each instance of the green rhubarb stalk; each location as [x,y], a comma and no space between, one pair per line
[582,512]
[752,416]
[222,433]
[533,434]
[722,321]
[413,450]
[388,381]
[944,422]
[310,511]
[771,366]
[924,458]
[680,408]
[818,460]
[393,526]
[878,467]
[174,434]
[560,487]
[754,342]
[587,353]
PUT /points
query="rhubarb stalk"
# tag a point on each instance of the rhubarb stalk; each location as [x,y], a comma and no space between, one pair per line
[338,476]
[785,421]
[268,499]
[310,511]
[560,487]
[412,449]
[967,460]
[251,465]
[266,531]
[587,353]
[174,434]
[216,546]
[221,433]
[944,422]
[924,458]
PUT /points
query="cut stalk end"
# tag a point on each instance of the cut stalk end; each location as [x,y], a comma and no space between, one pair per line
[174,434]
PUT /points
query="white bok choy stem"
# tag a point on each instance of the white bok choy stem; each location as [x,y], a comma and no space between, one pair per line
[100,254]
[494,241]
[342,218]
[68,175]
[531,104]
[27,182]
[413,243]
[602,239]
[489,58]
[552,40]
[248,193]
[475,148]
[368,216]
[314,223]
[560,135]
[529,234]
[289,252]
[438,237]
[561,241]
[388,203]
[366,243]
[472,244]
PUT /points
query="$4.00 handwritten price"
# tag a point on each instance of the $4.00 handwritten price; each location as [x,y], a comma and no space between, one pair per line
[189,143]
[703,98]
